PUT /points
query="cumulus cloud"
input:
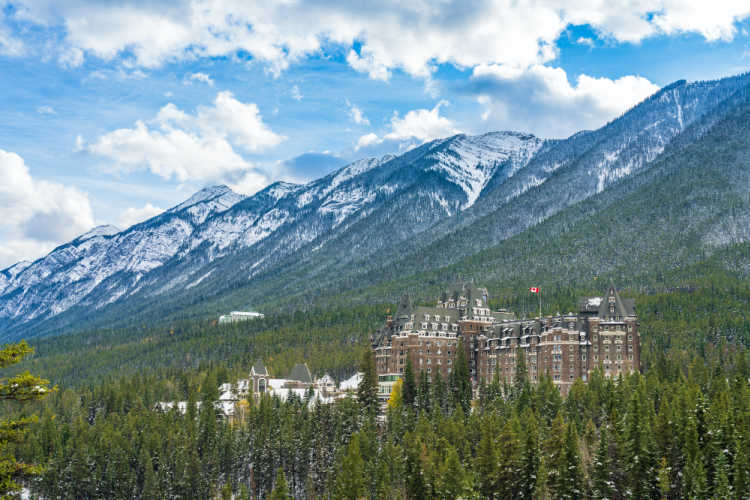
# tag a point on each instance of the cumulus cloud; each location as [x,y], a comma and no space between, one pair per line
[540,99]
[356,114]
[249,182]
[46,110]
[200,77]
[133,215]
[36,215]
[416,126]
[411,36]
[421,124]
[368,140]
[200,146]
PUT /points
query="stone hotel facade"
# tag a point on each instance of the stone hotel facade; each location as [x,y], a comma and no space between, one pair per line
[603,334]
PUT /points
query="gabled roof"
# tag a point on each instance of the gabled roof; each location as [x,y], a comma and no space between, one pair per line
[259,368]
[301,373]
[622,307]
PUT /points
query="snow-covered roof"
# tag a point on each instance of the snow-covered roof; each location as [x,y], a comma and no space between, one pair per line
[352,383]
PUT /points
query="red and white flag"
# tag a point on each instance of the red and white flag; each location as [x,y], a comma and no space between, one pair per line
[534,289]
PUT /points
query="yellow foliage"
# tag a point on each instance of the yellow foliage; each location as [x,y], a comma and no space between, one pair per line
[395,400]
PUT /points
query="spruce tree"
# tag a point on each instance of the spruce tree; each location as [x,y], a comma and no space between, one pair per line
[602,476]
[280,487]
[461,380]
[530,457]
[570,478]
[722,488]
[409,389]
[486,463]
[21,388]
[424,392]
[741,472]
[350,480]
[367,391]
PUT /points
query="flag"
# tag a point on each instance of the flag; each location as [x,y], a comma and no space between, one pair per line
[534,289]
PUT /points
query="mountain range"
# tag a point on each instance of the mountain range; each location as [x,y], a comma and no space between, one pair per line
[664,185]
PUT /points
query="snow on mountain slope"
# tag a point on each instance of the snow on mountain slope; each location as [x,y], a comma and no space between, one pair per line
[376,209]
[70,272]
[470,162]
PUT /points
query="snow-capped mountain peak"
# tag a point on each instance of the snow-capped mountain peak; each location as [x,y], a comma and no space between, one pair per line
[221,195]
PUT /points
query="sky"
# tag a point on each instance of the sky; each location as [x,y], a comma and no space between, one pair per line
[111,112]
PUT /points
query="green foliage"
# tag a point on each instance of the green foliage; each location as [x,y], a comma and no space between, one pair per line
[367,391]
[20,388]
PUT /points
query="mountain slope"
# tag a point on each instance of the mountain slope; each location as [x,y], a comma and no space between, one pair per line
[177,249]
[72,271]
[561,174]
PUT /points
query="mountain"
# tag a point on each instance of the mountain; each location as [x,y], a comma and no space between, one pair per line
[72,271]
[175,250]
[381,220]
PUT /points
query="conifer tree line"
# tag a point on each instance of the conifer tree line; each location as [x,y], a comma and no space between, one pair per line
[680,430]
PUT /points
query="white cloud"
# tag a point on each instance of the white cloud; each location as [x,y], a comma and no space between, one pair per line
[368,140]
[200,146]
[356,114]
[420,125]
[200,77]
[250,182]
[296,94]
[541,100]
[411,36]
[9,45]
[36,215]
[46,110]
[133,215]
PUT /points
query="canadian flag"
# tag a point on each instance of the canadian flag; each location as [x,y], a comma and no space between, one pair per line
[534,289]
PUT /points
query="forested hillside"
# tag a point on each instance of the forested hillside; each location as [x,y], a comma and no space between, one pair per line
[672,234]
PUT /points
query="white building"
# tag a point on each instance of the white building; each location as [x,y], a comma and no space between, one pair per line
[235,316]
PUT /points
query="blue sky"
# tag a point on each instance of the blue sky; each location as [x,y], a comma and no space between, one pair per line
[111,112]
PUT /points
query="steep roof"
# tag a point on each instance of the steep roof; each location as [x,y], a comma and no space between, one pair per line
[621,307]
[301,373]
[259,368]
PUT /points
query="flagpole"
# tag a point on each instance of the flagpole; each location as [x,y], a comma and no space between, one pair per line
[540,303]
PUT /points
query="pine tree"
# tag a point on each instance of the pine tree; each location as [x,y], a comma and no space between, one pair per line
[367,391]
[409,388]
[665,484]
[280,487]
[461,379]
[487,463]
[453,481]
[741,472]
[530,457]
[23,387]
[602,476]
[424,392]
[350,481]
[721,489]
[570,480]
